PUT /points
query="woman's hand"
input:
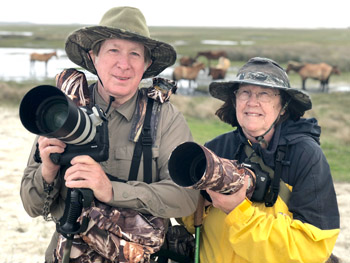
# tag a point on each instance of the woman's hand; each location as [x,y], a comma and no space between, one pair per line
[46,147]
[85,172]
[227,203]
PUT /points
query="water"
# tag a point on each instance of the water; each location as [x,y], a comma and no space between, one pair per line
[15,64]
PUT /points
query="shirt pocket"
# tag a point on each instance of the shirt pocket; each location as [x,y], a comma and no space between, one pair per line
[120,165]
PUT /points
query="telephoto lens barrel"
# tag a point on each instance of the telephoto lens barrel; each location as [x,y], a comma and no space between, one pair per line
[194,166]
[45,110]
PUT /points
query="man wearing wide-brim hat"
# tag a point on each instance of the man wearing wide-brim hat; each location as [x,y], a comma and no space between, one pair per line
[297,211]
[120,52]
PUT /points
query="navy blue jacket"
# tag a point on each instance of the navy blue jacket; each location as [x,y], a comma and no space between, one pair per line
[313,199]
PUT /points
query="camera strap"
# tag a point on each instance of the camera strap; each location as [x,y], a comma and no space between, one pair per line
[277,187]
[144,129]
[143,145]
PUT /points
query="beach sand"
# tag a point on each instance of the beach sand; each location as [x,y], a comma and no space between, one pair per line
[24,239]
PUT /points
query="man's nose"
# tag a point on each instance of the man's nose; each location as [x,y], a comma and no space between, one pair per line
[123,61]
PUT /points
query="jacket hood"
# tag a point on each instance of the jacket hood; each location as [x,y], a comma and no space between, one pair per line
[294,131]
[288,133]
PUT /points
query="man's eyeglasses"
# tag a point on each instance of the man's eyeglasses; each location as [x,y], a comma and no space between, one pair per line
[263,96]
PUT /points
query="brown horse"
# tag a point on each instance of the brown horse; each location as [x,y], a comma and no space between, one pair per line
[187,61]
[213,54]
[188,73]
[321,72]
[41,57]
[219,72]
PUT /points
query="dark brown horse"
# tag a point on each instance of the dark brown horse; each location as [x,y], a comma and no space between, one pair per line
[187,61]
[213,54]
[321,72]
[41,57]
[219,71]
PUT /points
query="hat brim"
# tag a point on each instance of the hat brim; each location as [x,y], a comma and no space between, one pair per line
[80,42]
[223,90]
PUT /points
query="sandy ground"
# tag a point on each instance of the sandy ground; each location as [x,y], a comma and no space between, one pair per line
[24,239]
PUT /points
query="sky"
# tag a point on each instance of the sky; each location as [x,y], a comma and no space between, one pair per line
[217,13]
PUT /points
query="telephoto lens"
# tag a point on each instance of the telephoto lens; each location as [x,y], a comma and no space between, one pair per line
[45,110]
[194,166]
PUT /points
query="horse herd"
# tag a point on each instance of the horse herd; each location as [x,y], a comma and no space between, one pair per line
[190,67]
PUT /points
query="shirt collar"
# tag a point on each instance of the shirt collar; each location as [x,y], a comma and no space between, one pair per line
[127,109]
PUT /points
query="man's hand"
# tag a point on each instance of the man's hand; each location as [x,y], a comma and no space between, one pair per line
[46,147]
[85,172]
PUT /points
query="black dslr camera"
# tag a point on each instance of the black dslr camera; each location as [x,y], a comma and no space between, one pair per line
[262,183]
[45,110]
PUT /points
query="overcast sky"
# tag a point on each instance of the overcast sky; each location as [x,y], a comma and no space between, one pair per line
[232,13]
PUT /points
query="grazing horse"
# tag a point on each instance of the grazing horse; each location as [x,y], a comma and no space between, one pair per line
[41,57]
[187,61]
[188,73]
[321,72]
[214,54]
[219,71]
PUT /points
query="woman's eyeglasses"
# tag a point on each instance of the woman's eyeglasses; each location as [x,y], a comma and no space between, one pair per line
[262,96]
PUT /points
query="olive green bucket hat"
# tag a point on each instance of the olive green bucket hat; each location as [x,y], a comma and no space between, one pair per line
[123,23]
[266,73]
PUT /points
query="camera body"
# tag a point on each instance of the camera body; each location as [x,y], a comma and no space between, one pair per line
[98,148]
[263,181]
[46,111]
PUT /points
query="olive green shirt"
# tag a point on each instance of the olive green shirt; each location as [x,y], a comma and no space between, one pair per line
[161,198]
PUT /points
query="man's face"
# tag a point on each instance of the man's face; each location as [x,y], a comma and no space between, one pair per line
[120,65]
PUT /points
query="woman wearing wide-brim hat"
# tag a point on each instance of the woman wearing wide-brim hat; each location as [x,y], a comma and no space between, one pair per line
[298,213]
[120,52]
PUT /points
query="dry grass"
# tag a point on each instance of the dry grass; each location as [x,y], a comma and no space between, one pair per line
[333,114]
[197,107]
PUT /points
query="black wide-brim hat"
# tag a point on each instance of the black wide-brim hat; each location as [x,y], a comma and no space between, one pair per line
[261,72]
[123,23]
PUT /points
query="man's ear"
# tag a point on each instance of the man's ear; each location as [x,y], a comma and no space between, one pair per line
[92,55]
[147,65]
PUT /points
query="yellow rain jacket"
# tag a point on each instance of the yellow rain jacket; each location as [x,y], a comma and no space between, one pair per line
[305,230]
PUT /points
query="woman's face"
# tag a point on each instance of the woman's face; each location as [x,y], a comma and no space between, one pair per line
[120,65]
[256,109]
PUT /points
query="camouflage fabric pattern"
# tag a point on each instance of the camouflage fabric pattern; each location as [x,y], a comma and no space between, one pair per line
[81,41]
[223,175]
[74,84]
[115,235]
[160,91]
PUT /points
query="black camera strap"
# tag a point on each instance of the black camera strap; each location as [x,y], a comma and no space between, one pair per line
[143,145]
[272,194]
[277,187]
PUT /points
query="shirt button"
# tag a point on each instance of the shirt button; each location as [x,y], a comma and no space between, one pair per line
[125,195]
